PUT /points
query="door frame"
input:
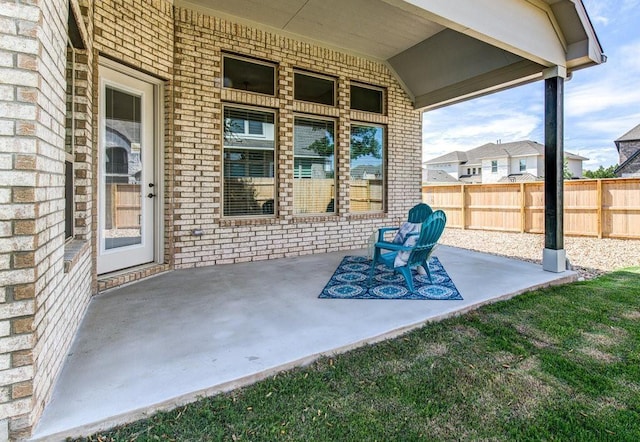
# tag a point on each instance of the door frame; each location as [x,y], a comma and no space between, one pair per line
[158,157]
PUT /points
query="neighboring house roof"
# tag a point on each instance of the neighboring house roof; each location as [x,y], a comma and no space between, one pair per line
[451,157]
[632,135]
[306,136]
[486,151]
[438,176]
[359,171]
[518,178]
[573,156]
[497,150]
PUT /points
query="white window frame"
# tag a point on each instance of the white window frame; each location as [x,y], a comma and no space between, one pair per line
[523,165]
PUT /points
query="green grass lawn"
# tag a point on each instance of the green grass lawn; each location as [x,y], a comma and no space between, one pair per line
[561,363]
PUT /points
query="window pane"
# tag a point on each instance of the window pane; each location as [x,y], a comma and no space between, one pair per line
[367,99]
[314,89]
[68,199]
[249,76]
[314,166]
[367,173]
[249,158]
[69,143]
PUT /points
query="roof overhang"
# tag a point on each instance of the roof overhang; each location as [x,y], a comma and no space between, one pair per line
[440,51]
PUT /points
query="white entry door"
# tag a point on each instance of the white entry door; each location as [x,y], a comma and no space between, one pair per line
[127,193]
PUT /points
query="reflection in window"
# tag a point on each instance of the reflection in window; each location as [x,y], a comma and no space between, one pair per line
[248,165]
[367,168]
[122,165]
[523,165]
[313,166]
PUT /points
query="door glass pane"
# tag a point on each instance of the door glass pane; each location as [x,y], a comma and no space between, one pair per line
[122,169]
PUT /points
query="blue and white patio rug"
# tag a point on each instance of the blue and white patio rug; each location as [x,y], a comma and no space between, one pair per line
[351,281]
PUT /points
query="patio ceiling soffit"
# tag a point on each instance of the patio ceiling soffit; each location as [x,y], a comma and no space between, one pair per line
[440,51]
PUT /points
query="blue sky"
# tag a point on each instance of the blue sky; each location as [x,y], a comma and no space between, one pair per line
[601,103]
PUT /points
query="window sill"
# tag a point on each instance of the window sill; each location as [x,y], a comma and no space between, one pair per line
[73,250]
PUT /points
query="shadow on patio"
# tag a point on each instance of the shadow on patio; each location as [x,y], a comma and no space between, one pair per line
[184,334]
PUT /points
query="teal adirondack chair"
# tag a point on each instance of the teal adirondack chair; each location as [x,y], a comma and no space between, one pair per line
[417,215]
[419,254]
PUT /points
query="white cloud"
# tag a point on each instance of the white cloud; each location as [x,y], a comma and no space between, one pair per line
[601,103]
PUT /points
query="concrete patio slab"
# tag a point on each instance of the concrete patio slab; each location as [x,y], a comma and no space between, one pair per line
[168,340]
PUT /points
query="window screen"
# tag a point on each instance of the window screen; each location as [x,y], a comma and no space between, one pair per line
[367,168]
[248,163]
[248,75]
[367,99]
[315,89]
[314,166]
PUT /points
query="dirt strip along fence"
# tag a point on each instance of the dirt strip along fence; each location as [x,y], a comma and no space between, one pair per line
[602,208]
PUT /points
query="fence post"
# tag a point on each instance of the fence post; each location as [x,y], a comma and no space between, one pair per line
[599,205]
[523,220]
[463,214]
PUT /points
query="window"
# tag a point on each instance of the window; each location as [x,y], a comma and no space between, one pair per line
[523,165]
[474,170]
[367,98]
[367,168]
[468,171]
[314,166]
[314,88]
[249,75]
[494,166]
[69,144]
[248,164]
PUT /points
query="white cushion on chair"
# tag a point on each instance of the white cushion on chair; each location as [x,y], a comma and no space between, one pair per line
[402,257]
[404,230]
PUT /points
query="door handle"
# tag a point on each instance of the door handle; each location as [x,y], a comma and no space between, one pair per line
[150,194]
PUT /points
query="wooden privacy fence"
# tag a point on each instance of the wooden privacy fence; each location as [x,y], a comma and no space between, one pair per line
[366,195]
[123,206]
[608,208]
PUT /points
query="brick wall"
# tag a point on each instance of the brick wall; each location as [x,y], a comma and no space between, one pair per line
[199,43]
[139,34]
[42,299]
[45,284]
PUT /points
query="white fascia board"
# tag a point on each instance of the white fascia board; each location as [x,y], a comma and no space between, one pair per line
[523,27]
